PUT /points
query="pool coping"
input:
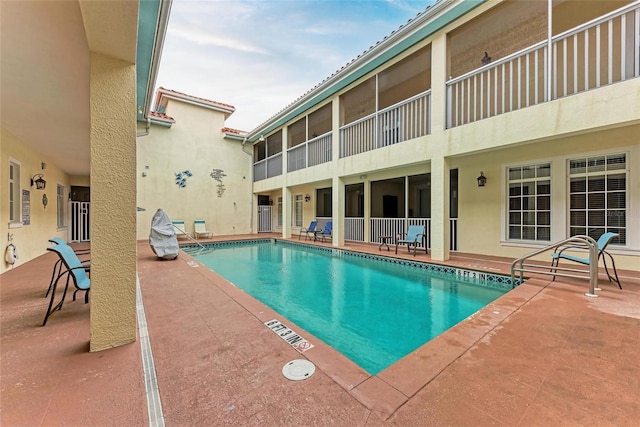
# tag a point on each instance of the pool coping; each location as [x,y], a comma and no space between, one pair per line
[391,388]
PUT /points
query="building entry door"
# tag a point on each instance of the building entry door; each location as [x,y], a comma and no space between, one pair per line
[264,219]
[80,216]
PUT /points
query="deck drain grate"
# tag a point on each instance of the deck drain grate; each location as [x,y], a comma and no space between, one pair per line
[299,369]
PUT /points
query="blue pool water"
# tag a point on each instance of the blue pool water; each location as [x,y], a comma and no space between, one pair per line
[373,312]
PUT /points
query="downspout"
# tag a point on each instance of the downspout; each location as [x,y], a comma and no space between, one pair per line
[146,132]
[251,178]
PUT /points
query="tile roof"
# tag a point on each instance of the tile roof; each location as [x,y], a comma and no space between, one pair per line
[183,95]
[235,131]
[161,115]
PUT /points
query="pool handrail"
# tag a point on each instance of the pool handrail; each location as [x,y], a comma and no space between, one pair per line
[581,241]
[190,238]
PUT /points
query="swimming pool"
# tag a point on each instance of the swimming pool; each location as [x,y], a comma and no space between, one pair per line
[373,312]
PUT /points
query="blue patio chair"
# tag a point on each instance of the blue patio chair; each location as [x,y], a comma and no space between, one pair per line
[414,235]
[74,271]
[325,232]
[58,265]
[603,242]
[309,230]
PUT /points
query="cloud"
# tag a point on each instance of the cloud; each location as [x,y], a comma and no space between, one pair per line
[202,37]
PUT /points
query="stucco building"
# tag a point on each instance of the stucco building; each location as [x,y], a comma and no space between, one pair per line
[192,166]
[501,126]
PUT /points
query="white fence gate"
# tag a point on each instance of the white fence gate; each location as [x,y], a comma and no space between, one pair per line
[79,222]
[264,219]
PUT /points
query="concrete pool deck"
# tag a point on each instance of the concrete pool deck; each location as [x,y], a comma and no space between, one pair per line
[544,354]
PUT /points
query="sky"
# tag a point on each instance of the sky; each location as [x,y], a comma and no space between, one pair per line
[260,56]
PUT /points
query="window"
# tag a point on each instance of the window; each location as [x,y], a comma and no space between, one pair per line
[598,196]
[529,204]
[62,217]
[297,213]
[279,211]
[14,192]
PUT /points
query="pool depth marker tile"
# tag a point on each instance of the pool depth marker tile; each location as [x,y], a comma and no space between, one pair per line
[154,405]
[287,334]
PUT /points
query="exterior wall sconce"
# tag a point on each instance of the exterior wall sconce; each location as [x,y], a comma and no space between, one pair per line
[307,197]
[39,181]
[482,180]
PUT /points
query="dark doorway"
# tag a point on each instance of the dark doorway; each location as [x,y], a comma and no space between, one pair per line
[389,206]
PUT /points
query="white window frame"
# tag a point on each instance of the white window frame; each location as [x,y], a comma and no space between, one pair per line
[280,211]
[61,198]
[15,194]
[298,208]
[536,211]
[609,225]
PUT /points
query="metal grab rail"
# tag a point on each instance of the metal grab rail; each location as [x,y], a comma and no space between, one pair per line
[582,241]
[190,238]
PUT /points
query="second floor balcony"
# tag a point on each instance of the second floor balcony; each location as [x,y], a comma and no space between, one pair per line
[597,53]
[394,104]
[401,122]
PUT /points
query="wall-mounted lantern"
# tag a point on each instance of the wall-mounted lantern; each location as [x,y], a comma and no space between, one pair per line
[307,197]
[482,180]
[39,181]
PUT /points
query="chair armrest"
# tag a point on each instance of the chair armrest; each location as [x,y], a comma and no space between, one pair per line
[560,249]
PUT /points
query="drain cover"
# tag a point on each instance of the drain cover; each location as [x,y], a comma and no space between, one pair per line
[299,369]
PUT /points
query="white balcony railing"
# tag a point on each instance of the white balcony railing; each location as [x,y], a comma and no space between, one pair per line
[403,121]
[320,150]
[297,157]
[358,137]
[260,170]
[600,52]
[354,229]
[274,165]
[268,168]
[310,153]
[514,82]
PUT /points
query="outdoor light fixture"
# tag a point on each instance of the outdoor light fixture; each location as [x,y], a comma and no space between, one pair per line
[482,180]
[39,181]
[307,197]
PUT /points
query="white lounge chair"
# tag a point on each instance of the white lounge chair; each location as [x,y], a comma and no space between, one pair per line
[178,224]
[200,229]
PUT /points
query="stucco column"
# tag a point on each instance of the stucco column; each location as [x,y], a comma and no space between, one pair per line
[438,89]
[286,212]
[113,202]
[335,134]
[367,210]
[338,194]
[440,209]
[254,213]
[439,163]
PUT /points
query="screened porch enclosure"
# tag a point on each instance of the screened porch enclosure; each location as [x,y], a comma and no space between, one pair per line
[394,205]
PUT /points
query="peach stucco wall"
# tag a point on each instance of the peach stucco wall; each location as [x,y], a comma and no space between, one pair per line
[113,202]
[31,240]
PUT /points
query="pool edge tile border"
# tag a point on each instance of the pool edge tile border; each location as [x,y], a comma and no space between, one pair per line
[473,277]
